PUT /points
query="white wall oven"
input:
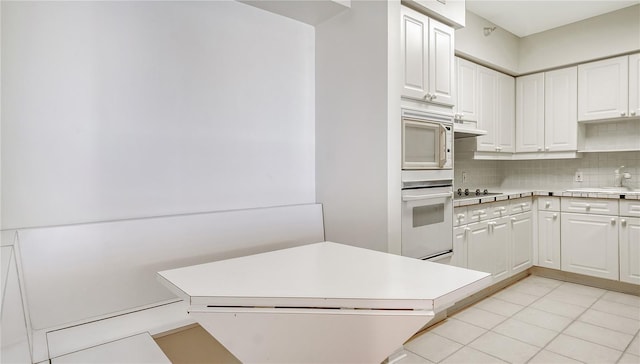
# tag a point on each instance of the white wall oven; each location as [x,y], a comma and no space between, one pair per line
[427,139]
[427,219]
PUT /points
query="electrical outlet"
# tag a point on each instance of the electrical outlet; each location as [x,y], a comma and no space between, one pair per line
[578,176]
[464,177]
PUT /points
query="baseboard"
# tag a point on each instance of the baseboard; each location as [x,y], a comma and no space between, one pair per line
[607,284]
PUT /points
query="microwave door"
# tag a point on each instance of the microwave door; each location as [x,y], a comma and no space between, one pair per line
[421,145]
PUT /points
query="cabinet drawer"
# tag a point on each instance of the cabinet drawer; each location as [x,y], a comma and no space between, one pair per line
[520,205]
[589,205]
[460,216]
[486,211]
[548,203]
[630,208]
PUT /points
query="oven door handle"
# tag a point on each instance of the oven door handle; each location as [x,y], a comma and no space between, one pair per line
[443,145]
[427,197]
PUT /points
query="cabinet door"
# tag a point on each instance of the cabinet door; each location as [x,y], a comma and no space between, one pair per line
[480,254]
[488,247]
[603,89]
[500,234]
[521,242]
[467,103]
[549,239]
[530,113]
[460,246]
[560,110]
[441,63]
[414,53]
[630,249]
[590,245]
[487,89]
[634,84]
[506,113]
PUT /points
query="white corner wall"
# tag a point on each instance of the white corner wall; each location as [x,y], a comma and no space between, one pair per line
[116,110]
[603,36]
[351,125]
[498,50]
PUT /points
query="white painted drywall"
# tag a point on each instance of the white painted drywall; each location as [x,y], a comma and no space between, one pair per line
[603,36]
[14,346]
[115,110]
[498,50]
[351,125]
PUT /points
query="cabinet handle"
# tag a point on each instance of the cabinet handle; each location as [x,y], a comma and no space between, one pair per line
[524,204]
[623,222]
[434,96]
[588,207]
[539,149]
[427,96]
[547,204]
[513,219]
[547,149]
[623,113]
[633,113]
[462,115]
[555,216]
[613,221]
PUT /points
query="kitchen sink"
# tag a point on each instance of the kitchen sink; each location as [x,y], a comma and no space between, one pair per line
[606,190]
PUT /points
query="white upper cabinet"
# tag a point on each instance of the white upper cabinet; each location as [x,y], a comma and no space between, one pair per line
[546,111]
[427,48]
[467,101]
[561,110]
[603,89]
[530,113]
[452,11]
[505,117]
[487,91]
[634,84]
[495,100]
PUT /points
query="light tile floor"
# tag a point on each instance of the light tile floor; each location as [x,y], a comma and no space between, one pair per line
[536,320]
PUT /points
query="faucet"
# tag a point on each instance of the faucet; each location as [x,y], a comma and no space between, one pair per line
[620,176]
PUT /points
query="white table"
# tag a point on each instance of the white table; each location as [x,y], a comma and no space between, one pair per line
[324,302]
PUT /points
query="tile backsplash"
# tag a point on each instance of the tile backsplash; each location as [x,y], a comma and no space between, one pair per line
[597,170]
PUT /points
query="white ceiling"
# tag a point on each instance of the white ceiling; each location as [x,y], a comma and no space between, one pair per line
[526,17]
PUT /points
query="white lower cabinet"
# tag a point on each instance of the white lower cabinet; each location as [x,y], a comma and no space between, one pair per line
[498,240]
[630,249]
[590,245]
[459,258]
[487,247]
[549,239]
[521,242]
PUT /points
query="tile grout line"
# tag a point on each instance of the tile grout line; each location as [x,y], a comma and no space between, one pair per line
[558,333]
[571,323]
[628,346]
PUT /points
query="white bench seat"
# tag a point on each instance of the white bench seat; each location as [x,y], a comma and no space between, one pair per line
[135,349]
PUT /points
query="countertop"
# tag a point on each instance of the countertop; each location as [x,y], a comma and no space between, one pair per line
[514,194]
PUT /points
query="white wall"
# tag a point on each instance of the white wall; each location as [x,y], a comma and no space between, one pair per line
[114,110]
[14,339]
[498,50]
[351,125]
[603,36]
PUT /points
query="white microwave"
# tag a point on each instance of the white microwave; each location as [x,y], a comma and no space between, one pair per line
[427,140]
